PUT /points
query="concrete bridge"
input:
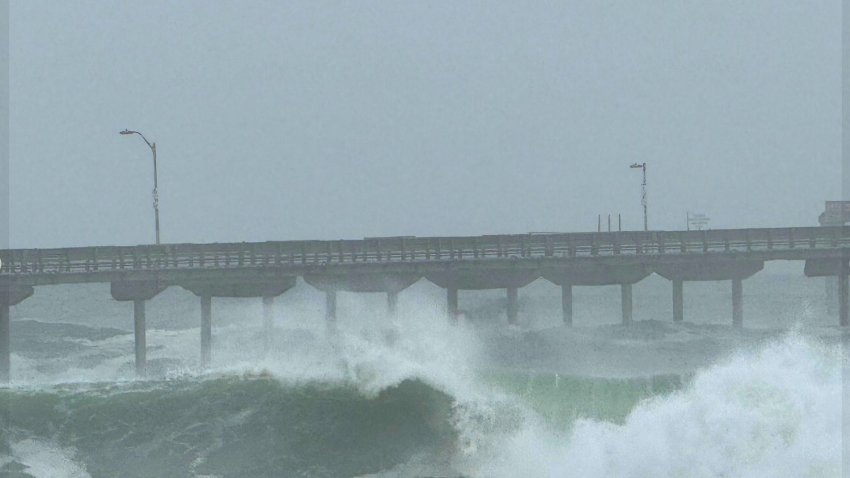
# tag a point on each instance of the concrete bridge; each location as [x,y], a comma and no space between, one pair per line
[391,264]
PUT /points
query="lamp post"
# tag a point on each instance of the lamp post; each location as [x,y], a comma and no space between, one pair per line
[642,166]
[152,146]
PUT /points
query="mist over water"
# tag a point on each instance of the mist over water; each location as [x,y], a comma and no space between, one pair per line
[418,397]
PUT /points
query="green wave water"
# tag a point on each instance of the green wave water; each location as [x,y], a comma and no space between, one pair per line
[256,426]
[419,400]
[233,426]
[562,400]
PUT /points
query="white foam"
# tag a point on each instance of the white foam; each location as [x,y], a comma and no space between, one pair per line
[769,413]
[773,413]
[47,460]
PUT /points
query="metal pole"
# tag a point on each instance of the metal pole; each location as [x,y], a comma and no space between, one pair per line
[152,146]
[643,200]
[155,192]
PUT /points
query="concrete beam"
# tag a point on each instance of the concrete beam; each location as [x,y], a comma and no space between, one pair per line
[15,294]
[703,269]
[136,289]
[469,279]
[591,273]
[242,289]
[361,282]
[823,267]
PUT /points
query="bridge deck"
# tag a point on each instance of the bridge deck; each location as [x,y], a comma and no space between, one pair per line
[84,264]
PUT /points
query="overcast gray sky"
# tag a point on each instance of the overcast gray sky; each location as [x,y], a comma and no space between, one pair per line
[326,120]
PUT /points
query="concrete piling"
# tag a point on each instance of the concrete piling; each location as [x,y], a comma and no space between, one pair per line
[678,301]
[5,345]
[392,304]
[268,322]
[738,303]
[452,303]
[206,330]
[626,301]
[831,286]
[330,306]
[513,305]
[843,305]
[567,303]
[140,336]
[9,295]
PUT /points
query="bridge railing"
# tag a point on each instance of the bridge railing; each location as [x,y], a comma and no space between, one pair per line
[416,249]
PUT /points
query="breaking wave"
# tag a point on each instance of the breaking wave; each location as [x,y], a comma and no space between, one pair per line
[413,400]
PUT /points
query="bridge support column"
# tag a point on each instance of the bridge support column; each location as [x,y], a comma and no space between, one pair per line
[452,302]
[843,305]
[678,300]
[5,343]
[268,322]
[9,295]
[513,305]
[140,336]
[567,303]
[830,286]
[330,307]
[392,304]
[626,301]
[738,303]
[206,330]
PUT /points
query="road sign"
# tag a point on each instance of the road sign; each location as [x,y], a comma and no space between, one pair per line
[697,220]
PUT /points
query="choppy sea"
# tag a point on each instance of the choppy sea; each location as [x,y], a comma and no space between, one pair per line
[416,397]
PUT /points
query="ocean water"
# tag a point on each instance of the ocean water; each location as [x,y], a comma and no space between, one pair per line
[416,397]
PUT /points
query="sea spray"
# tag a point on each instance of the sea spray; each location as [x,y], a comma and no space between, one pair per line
[775,412]
[413,398]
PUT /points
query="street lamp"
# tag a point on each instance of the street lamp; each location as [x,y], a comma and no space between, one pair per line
[152,146]
[642,166]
